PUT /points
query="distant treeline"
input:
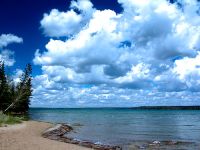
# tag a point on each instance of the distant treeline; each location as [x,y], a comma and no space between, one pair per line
[167,108]
[130,108]
[15,96]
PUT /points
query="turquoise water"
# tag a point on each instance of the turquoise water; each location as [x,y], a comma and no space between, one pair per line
[125,126]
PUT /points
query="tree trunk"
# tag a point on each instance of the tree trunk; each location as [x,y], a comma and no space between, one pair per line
[11,105]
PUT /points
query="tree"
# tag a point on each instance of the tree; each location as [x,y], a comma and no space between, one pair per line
[24,91]
[4,88]
[21,93]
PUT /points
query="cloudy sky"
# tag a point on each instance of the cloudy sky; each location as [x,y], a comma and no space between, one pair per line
[122,53]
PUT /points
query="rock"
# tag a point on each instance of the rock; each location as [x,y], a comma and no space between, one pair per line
[58,130]
[156,142]
[59,133]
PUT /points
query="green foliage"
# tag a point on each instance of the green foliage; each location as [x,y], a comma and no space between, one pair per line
[7,119]
[24,90]
[15,97]
[4,88]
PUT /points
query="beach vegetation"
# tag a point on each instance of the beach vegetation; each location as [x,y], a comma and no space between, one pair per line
[9,119]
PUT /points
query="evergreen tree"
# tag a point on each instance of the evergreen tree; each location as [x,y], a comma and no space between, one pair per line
[4,88]
[24,91]
[15,98]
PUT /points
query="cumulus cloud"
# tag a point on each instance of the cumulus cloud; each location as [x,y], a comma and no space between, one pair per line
[7,55]
[17,74]
[6,39]
[101,96]
[56,23]
[145,47]
[76,48]
[188,71]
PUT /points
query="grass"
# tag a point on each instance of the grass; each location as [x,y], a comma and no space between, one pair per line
[8,119]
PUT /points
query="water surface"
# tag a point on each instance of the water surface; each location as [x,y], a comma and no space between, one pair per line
[126,126]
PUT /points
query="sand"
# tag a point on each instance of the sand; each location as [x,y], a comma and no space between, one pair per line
[27,136]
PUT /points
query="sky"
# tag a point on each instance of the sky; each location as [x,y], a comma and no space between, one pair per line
[120,53]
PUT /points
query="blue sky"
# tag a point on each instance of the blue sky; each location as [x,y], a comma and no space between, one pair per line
[101,53]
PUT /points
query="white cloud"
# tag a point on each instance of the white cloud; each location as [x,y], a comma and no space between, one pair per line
[187,66]
[60,73]
[139,71]
[84,44]
[6,39]
[101,96]
[60,23]
[68,23]
[82,5]
[150,45]
[17,75]
[8,57]
[188,71]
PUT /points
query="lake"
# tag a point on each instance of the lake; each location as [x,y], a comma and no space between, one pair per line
[127,127]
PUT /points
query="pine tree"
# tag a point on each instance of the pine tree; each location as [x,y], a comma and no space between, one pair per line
[4,88]
[2,78]
[24,91]
[20,94]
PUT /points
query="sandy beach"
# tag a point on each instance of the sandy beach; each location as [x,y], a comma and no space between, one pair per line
[27,136]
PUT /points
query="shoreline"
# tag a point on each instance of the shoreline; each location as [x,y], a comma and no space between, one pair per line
[28,136]
[33,135]
[60,131]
